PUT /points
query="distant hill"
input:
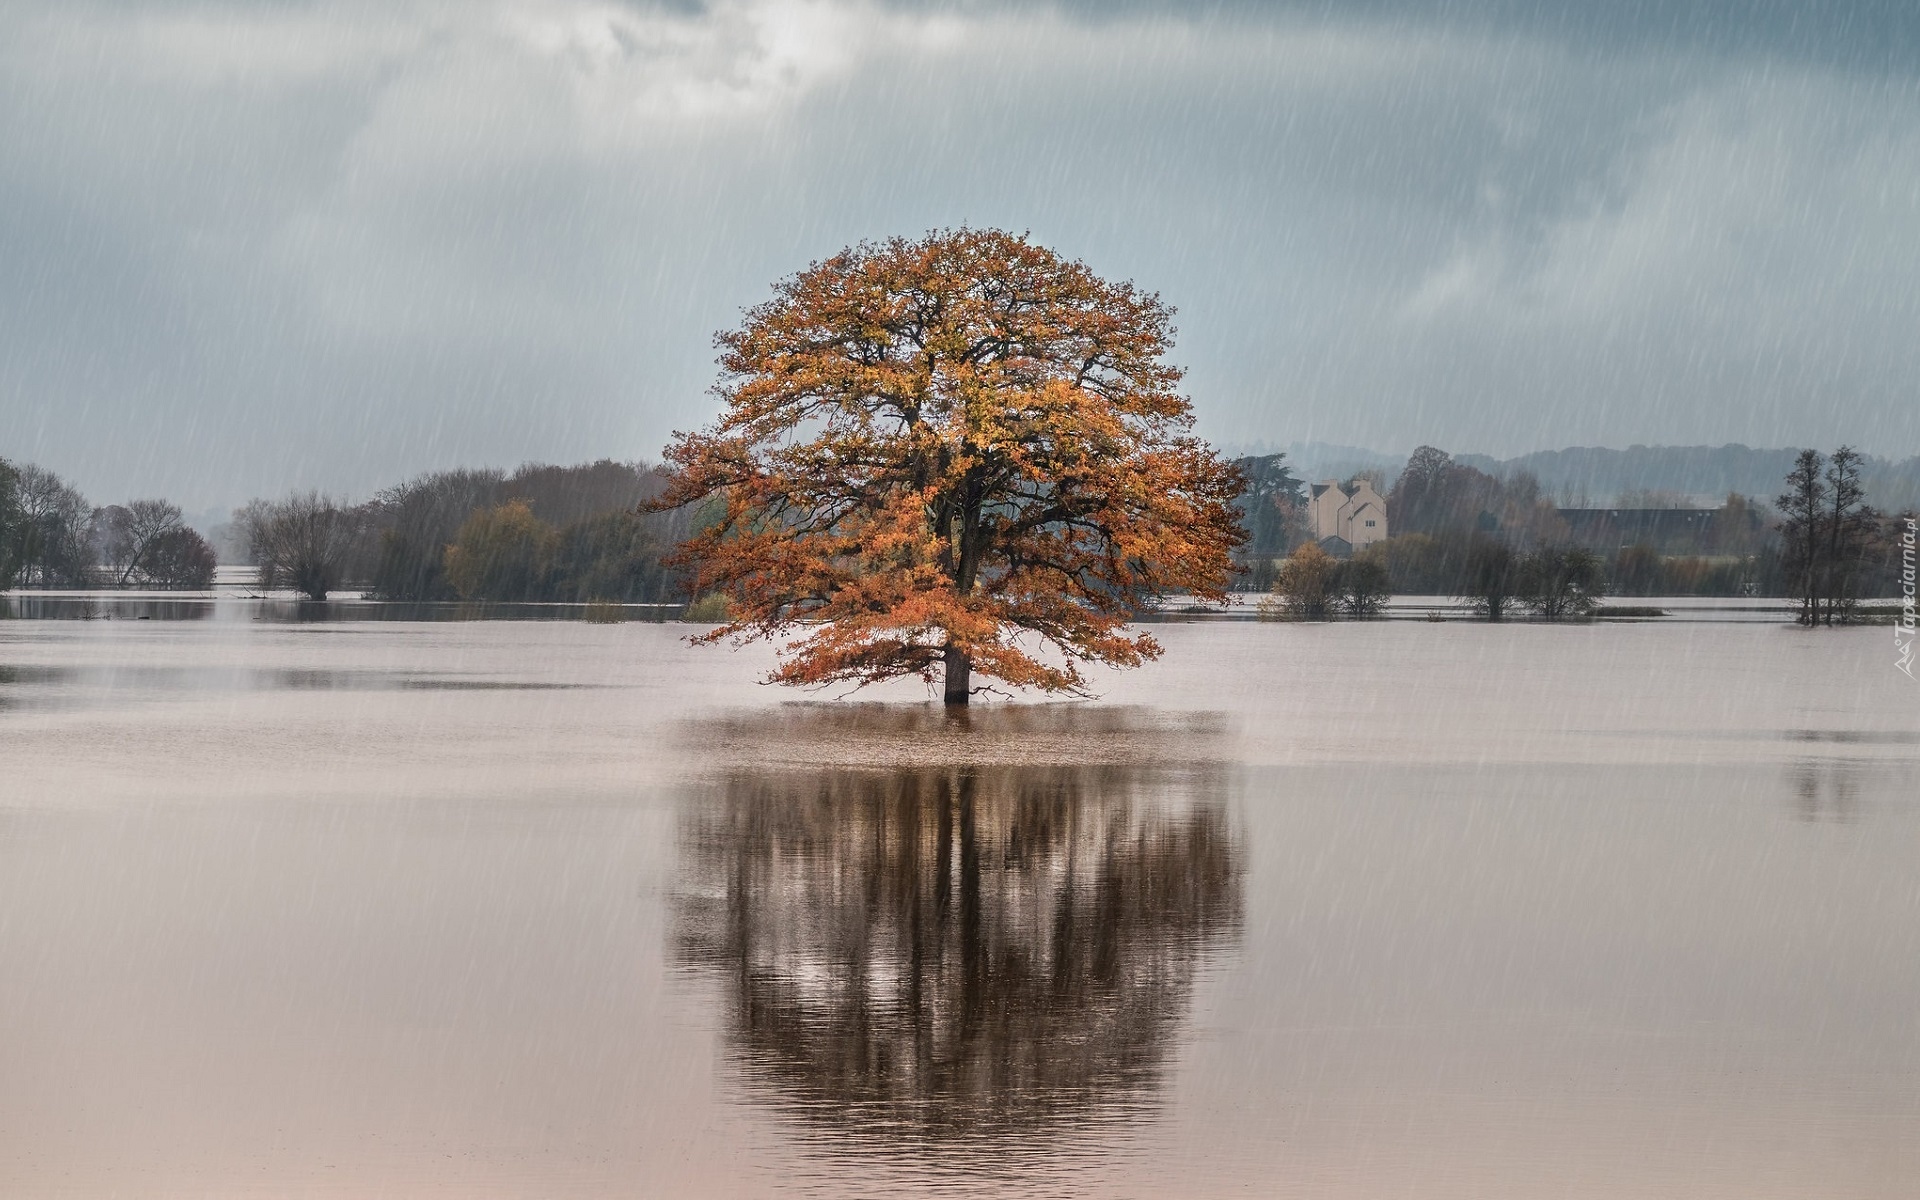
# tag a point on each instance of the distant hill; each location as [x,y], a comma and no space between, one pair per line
[1315,461]
[1597,474]
[1594,475]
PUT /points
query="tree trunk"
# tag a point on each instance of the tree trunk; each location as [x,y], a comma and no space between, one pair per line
[959,675]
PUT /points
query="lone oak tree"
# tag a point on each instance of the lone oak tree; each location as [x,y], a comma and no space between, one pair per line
[952,452]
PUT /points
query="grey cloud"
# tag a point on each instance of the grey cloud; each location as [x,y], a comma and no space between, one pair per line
[255,247]
[1855,34]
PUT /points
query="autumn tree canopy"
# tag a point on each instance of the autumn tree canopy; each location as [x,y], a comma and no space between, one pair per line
[960,453]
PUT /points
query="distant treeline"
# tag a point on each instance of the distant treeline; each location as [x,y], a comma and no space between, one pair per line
[1445,516]
[542,533]
[51,537]
[550,533]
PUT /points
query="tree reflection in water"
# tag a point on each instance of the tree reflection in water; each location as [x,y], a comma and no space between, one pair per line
[958,954]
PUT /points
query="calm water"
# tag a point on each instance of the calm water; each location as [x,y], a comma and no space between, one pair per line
[553,909]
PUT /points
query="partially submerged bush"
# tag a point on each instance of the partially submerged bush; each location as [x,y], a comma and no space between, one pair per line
[303,542]
[1489,578]
[1361,586]
[710,609]
[179,558]
[1305,585]
[1312,585]
[1561,581]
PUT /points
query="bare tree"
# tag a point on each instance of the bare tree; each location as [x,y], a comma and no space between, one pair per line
[1827,531]
[11,524]
[109,540]
[1849,524]
[54,550]
[302,542]
[180,558]
[123,535]
[1801,507]
[147,522]
[233,538]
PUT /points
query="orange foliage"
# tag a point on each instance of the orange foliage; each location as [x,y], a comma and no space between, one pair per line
[932,447]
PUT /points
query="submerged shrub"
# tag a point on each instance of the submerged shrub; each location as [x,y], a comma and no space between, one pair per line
[1561,581]
[303,542]
[179,558]
[1361,586]
[1305,586]
[710,609]
[1489,578]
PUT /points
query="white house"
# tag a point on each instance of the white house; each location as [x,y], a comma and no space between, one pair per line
[1344,522]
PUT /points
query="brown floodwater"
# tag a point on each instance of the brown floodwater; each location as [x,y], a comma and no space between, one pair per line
[550,909]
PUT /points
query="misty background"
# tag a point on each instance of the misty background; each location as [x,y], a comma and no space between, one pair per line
[252,247]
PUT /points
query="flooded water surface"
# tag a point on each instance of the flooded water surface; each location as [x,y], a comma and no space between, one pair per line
[551,909]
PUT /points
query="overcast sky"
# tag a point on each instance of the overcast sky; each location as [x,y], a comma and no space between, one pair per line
[249,247]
